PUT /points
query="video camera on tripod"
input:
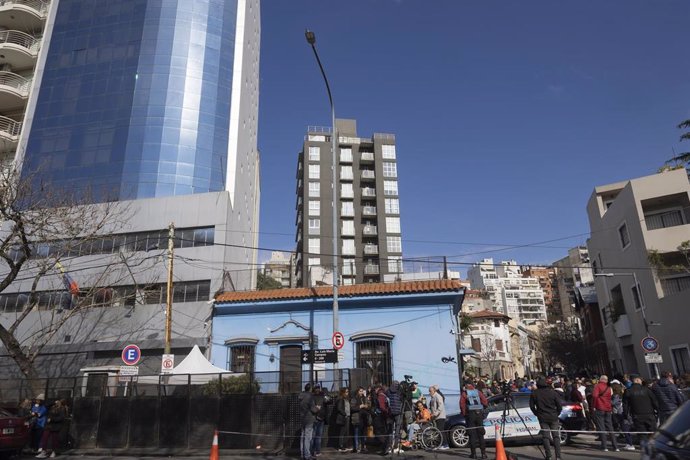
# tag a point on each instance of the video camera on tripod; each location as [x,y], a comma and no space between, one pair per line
[406,388]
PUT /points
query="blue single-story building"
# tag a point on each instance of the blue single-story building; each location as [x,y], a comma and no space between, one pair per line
[390,330]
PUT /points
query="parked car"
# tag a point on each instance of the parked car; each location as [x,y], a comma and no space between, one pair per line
[672,440]
[14,433]
[520,425]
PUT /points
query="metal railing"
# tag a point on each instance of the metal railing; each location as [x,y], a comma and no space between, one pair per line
[367,156]
[15,37]
[15,81]
[9,127]
[369,230]
[368,174]
[368,191]
[371,269]
[369,210]
[41,6]
[371,249]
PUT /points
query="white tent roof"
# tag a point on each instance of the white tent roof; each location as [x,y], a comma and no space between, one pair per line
[196,363]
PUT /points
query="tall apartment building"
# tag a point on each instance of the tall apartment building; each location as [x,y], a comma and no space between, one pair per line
[548,281]
[574,270]
[628,220]
[509,292]
[368,209]
[154,105]
[281,268]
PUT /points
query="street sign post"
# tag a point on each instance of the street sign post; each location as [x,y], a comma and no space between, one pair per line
[167,363]
[319,356]
[338,340]
[653,358]
[131,354]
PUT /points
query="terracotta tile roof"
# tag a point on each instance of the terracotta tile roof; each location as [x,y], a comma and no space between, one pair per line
[366,289]
[487,314]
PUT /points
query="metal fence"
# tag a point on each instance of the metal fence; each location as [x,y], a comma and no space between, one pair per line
[179,412]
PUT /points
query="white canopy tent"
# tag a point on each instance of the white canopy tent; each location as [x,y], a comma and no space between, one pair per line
[194,369]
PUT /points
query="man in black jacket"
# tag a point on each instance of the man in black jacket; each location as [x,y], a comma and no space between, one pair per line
[668,396]
[642,405]
[546,404]
[307,412]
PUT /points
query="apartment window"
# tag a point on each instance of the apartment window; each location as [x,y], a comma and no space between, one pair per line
[477,345]
[390,187]
[394,244]
[346,173]
[314,153]
[390,169]
[675,284]
[314,261]
[314,245]
[681,359]
[392,206]
[636,297]
[624,236]
[348,228]
[314,207]
[499,345]
[395,264]
[349,267]
[347,209]
[317,138]
[314,171]
[314,189]
[314,226]
[664,219]
[393,224]
[241,357]
[374,355]
[349,247]
[388,152]
[346,190]
[346,155]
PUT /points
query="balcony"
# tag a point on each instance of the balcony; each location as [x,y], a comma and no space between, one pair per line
[371,269]
[369,230]
[23,14]
[367,156]
[368,174]
[371,249]
[10,130]
[14,90]
[19,49]
[347,194]
[368,192]
[369,210]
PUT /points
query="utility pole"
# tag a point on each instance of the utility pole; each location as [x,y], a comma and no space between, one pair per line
[169,290]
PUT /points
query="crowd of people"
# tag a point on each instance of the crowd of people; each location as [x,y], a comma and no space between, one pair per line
[48,425]
[622,409]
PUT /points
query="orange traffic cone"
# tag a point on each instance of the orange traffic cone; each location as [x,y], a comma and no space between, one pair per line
[500,451]
[214,447]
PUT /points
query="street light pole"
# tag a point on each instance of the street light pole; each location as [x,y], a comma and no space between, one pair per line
[169,289]
[311,39]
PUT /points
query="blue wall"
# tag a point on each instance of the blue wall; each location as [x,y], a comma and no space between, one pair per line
[422,338]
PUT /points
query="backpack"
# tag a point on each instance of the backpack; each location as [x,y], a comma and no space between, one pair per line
[474,402]
[617,404]
[394,402]
[375,406]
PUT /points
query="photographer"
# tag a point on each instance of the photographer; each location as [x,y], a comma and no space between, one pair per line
[472,405]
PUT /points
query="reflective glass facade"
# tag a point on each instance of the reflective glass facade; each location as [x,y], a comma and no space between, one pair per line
[135,98]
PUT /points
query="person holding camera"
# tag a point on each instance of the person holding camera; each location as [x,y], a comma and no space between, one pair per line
[473,404]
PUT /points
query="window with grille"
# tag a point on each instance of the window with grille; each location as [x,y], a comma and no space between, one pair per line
[314,189]
[388,152]
[390,170]
[624,235]
[241,358]
[375,356]
[393,224]
[664,219]
[314,171]
[390,187]
[314,153]
[392,206]
[394,244]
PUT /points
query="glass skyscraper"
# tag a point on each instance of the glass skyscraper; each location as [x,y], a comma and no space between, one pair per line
[134,99]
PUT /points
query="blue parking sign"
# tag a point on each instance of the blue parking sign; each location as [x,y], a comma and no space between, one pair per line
[131,355]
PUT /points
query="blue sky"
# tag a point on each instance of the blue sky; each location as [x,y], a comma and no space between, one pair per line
[506,114]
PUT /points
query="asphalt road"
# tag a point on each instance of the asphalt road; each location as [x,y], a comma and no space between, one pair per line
[584,447]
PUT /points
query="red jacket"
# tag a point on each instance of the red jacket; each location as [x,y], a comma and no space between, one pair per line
[601,397]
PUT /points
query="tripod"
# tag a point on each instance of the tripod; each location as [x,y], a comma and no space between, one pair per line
[507,405]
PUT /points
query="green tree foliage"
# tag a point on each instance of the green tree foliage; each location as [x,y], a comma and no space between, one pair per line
[266,282]
[233,385]
[685,156]
[563,344]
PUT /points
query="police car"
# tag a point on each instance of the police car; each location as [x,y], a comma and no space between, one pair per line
[519,425]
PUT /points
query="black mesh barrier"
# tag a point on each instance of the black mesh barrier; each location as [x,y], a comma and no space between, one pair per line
[112,423]
[84,426]
[143,422]
[236,416]
[174,417]
[203,419]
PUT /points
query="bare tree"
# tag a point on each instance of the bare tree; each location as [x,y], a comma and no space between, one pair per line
[489,353]
[43,233]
